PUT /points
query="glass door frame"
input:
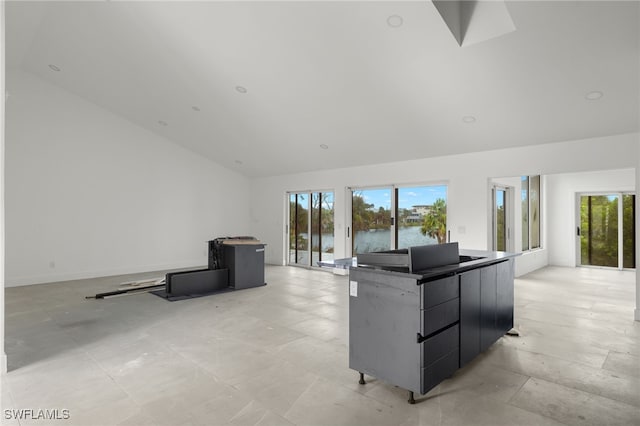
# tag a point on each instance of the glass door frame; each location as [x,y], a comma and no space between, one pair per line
[288,224]
[287,235]
[349,239]
[578,227]
[509,215]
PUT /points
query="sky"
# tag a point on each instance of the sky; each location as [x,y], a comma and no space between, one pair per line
[407,197]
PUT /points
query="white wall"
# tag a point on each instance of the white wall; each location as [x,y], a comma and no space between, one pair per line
[562,190]
[468,177]
[91,194]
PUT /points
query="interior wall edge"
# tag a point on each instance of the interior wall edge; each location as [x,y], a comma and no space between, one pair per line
[3,355]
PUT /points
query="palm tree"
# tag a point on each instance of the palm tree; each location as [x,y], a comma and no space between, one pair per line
[435,222]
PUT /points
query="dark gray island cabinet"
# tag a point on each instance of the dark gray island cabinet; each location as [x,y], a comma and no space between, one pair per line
[414,330]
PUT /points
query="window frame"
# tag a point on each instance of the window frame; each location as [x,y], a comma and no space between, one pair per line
[530,245]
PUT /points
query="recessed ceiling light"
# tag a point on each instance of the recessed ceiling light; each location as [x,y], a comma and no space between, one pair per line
[469,119]
[238,162]
[53,67]
[241,89]
[195,108]
[324,146]
[162,123]
[594,96]
[394,21]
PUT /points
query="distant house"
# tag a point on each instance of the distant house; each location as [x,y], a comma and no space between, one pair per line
[422,209]
[414,218]
[417,214]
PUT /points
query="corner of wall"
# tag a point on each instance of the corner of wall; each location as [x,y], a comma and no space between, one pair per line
[3,355]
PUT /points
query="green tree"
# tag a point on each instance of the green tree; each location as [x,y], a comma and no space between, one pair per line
[599,230]
[361,213]
[435,222]
[500,227]
[298,225]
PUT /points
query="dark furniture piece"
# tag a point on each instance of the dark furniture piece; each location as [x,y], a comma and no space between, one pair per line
[193,283]
[245,263]
[233,264]
[416,329]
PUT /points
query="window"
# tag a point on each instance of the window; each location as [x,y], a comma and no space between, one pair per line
[396,217]
[500,219]
[421,215]
[530,195]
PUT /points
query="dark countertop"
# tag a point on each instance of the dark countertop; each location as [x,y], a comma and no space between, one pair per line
[485,258]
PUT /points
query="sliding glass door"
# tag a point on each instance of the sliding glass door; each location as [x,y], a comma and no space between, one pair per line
[298,229]
[321,226]
[371,220]
[397,217]
[607,230]
[310,228]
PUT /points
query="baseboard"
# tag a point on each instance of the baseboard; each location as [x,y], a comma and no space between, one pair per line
[50,278]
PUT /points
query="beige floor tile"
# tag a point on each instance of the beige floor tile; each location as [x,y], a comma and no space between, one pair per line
[277,386]
[328,403]
[623,363]
[485,380]
[569,350]
[321,328]
[138,419]
[272,419]
[578,376]
[278,355]
[251,414]
[465,408]
[7,403]
[221,410]
[574,407]
[589,338]
[175,405]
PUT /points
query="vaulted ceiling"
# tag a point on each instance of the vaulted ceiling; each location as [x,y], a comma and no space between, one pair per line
[270,88]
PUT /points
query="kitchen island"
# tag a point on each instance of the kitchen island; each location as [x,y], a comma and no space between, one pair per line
[418,315]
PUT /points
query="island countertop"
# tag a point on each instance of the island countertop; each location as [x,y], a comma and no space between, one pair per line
[479,258]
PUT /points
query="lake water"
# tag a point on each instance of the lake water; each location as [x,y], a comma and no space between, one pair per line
[377,240]
[368,241]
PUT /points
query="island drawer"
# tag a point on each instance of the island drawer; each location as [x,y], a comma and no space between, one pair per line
[439,291]
[440,345]
[439,370]
[440,316]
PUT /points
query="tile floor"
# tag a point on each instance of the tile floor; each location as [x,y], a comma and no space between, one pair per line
[277,355]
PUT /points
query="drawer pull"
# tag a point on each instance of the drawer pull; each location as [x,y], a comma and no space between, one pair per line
[420,338]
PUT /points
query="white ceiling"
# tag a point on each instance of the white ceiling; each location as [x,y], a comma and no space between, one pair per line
[336,73]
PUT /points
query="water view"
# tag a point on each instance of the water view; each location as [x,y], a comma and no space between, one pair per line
[380,239]
[365,241]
